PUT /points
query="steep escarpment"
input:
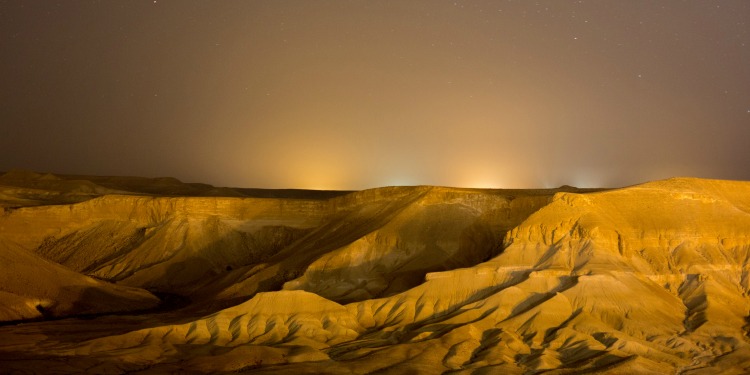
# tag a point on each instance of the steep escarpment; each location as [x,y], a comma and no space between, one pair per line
[441,229]
[352,247]
[647,278]
[643,279]
[171,245]
[651,278]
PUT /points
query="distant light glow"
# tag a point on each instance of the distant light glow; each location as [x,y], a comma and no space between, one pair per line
[485,176]
[354,95]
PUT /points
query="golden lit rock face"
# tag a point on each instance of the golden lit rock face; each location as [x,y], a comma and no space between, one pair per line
[651,278]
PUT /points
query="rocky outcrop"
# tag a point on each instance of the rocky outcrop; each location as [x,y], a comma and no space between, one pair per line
[651,278]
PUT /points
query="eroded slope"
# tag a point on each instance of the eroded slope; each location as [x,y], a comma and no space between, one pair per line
[32,287]
[647,279]
[223,250]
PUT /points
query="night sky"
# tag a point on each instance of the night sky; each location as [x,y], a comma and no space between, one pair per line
[360,94]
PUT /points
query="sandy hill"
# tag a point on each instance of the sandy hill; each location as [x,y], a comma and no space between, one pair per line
[33,287]
[651,278]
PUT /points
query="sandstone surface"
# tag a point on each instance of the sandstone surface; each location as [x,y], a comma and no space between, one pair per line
[652,278]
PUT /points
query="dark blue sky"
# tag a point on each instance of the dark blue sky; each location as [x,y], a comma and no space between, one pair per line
[358,94]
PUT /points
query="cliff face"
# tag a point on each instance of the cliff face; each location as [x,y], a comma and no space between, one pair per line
[354,247]
[651,278]
[436,229]
[136,241]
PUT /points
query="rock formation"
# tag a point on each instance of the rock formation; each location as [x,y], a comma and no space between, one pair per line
[652,278]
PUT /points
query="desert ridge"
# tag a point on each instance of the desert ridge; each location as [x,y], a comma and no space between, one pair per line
[651,278]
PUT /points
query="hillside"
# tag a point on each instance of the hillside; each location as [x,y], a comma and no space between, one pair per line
[651,278]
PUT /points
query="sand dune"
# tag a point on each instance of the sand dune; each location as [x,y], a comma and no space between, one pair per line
[651,278]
